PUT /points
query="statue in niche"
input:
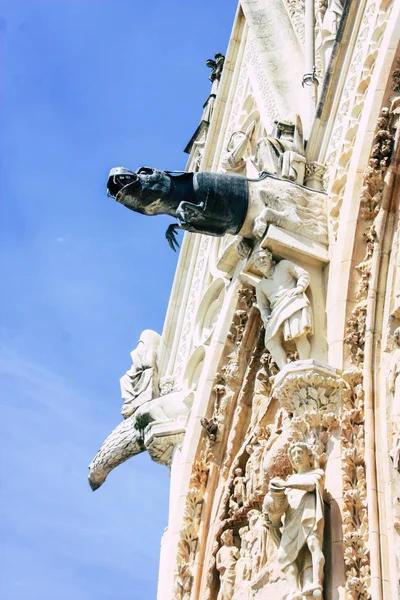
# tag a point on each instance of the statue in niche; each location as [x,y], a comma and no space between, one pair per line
[226,560]
[253,468]
[243,566]
[281,154]
[299,499]
[284,306]
[140,383]
[394,389]
[219,203]
[239,491]
[257,537]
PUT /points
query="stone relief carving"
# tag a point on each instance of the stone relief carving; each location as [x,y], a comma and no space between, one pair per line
[239,494]
[144,409]
[226,560]
[227,384]
[310,397]
[284,306]
[347,119]
[370,203]
[394,390]
[296,9]
[299,498]
[188,536]
[281,154]
[243,566]
[218,203]
[355,514]
[257,541]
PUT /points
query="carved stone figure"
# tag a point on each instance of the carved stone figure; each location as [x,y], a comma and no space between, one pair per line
[226,559]
[219,203]
[253,468]
[140,383]
[394,389]
[243,566]
[284,306]
[300,549]
[281,154]
[257,537]
[239,488]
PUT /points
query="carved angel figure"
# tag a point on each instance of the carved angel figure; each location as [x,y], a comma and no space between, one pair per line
[226,559]
[284,306]
[300,550]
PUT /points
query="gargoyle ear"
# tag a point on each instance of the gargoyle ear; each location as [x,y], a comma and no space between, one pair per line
[145,170]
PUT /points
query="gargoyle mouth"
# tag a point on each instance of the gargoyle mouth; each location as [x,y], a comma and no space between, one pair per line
[118,179]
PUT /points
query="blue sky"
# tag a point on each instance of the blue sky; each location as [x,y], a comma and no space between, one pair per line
[86,85]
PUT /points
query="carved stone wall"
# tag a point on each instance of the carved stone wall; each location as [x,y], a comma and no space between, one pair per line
[259,398]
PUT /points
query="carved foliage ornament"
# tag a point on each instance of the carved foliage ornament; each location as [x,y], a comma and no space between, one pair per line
[370,203]
[187,544]
[355,515]
[226,385]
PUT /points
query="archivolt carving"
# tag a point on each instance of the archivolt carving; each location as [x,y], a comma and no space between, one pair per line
[355,515]
[191,522]
[227,383]
[295,9]
[370,203]
[352,101]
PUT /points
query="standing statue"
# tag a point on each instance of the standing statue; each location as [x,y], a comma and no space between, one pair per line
[243,566]
[257,537]
[394,389]
[239,490]
[253,468]
[226,559]
[140,383]
[220,203]
[300,550]
[281,154]
[284,306]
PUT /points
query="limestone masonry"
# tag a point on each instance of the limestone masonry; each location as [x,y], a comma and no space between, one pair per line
[273,393]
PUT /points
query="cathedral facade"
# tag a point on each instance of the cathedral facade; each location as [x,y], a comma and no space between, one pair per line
[273,393]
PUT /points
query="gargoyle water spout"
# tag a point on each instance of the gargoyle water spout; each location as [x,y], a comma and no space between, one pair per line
[218,203]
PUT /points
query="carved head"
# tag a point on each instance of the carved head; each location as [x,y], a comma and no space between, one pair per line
[396,336]
[253,516]
[227,538]
[263,261]
[143,191]
[301,456]
[146,350]
[238,472]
